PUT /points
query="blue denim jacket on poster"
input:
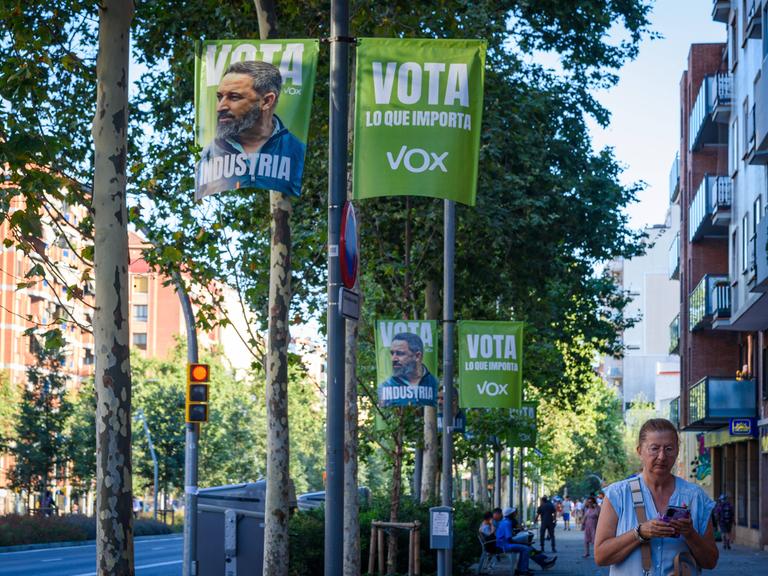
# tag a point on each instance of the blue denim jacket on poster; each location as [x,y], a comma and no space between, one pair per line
[277,165]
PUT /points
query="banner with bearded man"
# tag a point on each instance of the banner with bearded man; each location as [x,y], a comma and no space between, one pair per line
[406,362]
[252,109]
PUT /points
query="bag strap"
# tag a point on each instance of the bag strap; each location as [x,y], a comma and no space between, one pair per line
[639,504]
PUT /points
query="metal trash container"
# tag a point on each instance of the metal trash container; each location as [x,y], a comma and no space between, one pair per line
[230,529]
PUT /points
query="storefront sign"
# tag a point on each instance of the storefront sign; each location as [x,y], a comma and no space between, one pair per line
[742,427]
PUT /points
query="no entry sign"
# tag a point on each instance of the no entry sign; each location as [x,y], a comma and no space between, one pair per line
[349,250]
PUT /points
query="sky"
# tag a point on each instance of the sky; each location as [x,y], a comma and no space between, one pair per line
[645,121]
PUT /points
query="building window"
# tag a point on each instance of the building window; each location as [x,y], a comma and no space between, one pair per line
[734,146]
[744,242]
[764,25]
[140,340]
[89,358]
[140,312]
[141,284]
[733,41]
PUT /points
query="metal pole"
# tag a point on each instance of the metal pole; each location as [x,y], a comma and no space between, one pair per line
[444,557]
[140,416]
[497,477]
[520,478]
[190,446]
[337,192]
[511,476]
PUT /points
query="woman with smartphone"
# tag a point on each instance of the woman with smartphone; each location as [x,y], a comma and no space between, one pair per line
[656,523]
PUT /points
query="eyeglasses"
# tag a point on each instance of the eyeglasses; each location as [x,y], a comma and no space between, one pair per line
[654,450]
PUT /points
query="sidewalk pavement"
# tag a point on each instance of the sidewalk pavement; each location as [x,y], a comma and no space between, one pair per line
[739,561]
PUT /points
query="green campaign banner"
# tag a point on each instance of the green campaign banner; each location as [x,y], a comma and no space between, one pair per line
[490,364]
[418,112]
[522,428]
[253,101]
[406,362]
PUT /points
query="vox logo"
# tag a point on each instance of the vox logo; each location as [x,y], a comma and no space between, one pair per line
[492,389]
[417,160]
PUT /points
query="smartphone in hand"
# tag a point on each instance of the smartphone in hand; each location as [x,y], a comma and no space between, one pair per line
[676,513]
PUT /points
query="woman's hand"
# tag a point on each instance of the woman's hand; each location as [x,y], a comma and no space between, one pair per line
[657,529]
[683,527]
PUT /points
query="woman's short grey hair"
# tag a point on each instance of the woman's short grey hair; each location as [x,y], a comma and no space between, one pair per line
[266,77]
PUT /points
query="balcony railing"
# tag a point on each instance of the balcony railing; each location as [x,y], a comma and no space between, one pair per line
[712,106]
[710,211]
[710,300]
[754,19]
[674,335]
[674,258]
[674,411]
[674,179]
[713,401]
[720,10]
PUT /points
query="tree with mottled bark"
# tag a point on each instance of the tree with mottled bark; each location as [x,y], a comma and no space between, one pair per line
[114,524]
[278,455]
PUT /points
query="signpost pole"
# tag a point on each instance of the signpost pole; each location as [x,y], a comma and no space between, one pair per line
[444,557]
[337,192]
[520,478]
[511,499]
[497,476]
[192,434]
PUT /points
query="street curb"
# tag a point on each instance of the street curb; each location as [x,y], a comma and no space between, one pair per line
[73,543]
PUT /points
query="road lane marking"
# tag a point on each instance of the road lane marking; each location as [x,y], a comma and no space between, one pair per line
[142,567]
[159,547]
[60,549]
[52,560]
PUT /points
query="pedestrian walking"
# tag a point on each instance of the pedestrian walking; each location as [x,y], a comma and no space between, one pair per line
[724,519]
[567,508]
[578,512]
[589,523]
[655,522]
[547,512]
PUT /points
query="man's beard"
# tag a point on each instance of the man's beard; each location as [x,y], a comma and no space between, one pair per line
[237,126]
[406,371]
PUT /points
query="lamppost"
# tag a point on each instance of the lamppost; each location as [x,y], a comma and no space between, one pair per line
[140,416]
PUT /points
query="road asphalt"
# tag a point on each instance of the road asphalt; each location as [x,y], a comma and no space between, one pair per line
[159,556]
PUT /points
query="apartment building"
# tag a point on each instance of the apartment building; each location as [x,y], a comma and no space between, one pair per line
[720,183]
[649,370]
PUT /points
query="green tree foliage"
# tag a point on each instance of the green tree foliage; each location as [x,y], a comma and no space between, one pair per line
[82,437]
[40,443]
[9,398]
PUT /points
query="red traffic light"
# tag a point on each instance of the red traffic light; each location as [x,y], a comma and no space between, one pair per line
[199,373]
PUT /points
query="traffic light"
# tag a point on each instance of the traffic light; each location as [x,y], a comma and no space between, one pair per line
[198,376]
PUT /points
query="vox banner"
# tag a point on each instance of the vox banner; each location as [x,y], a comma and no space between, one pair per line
[406,362]
[522,426]
[252,106]
[418,111]
[490,364]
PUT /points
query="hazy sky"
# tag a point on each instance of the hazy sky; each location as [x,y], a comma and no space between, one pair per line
[645,123]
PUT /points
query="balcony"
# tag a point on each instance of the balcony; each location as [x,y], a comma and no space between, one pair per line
[710,210]
[710,112]
[709,301]
[760,116]
[720,10]
[674,335]
[754,20]
[761,257]
[674,411]
[674,180]
[674,258]
[712,402]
